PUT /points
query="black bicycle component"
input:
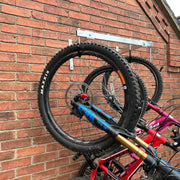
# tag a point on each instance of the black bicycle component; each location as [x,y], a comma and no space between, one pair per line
[149,74]
[176,138]
[165,171]
[74,131]
[101,123]
[76,156]
[109,88]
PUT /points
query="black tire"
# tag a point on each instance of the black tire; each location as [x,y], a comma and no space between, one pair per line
[115,102]
[65,127]
[155,87]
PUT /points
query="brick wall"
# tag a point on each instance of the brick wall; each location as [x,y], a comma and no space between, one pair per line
[31,32]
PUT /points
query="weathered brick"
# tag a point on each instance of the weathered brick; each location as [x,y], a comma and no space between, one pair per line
[30,132]
[30,169]
[43,16]
[55,10]
[15,11]
[7,57]
[8,174]
[14,48]
[7,135]
[7,38]
[14,67]
[15,29]
[30,151]
[29,5]
[45,174]
[45,157]
[14,144]
[7,77]
[80,16]
[10,125]
[6,155]
[6,106]
[16,163]
[7,96]
[30,23]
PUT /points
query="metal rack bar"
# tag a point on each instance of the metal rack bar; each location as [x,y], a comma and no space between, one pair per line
[108,37]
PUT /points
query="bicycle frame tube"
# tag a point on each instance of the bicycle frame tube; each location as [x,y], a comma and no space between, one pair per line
[97,121]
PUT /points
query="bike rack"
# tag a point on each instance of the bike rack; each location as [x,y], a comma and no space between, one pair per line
[108,37]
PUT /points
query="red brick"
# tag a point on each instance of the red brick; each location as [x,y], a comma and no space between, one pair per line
[45,157]
[15,11]
[99,5]
[132,2]
[30,23]
[28,77]
[14,48]
[80,16]
[51,2]
[5,57]
[108,15]
[30,41]
[110,2]
[54,147]
[64,177]
[30,132]
[14,67]
[7,174]
[69,21]
[8,2]
[30,169]
[14,86]
[87,25]
[29,5]
[28,177]
[6,155]
[43,16]
[7,77]
[57,28]
[7,38]
[57,163]
[69,168]
[37,123]
[5,116]
[8,96]
[6,106]
[45,34]
[27,114]
[15,29]
[27,95]
[42,139]
[84,2]
[55,10]
[29,59]
[7,135]
[56,44]
[68,5]
[10,125]
[45,174]
[90,10]
[42,51]
[15,144]
[30,151]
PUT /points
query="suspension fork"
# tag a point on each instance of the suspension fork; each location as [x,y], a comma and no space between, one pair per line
[118,134]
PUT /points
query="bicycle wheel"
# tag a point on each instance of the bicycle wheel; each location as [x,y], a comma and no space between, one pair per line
[149,74]
[105,74]
[59,85]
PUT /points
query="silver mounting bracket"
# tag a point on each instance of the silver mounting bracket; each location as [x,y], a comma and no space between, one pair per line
[71,65]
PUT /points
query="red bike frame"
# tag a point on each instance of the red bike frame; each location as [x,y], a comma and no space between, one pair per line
[153,137]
